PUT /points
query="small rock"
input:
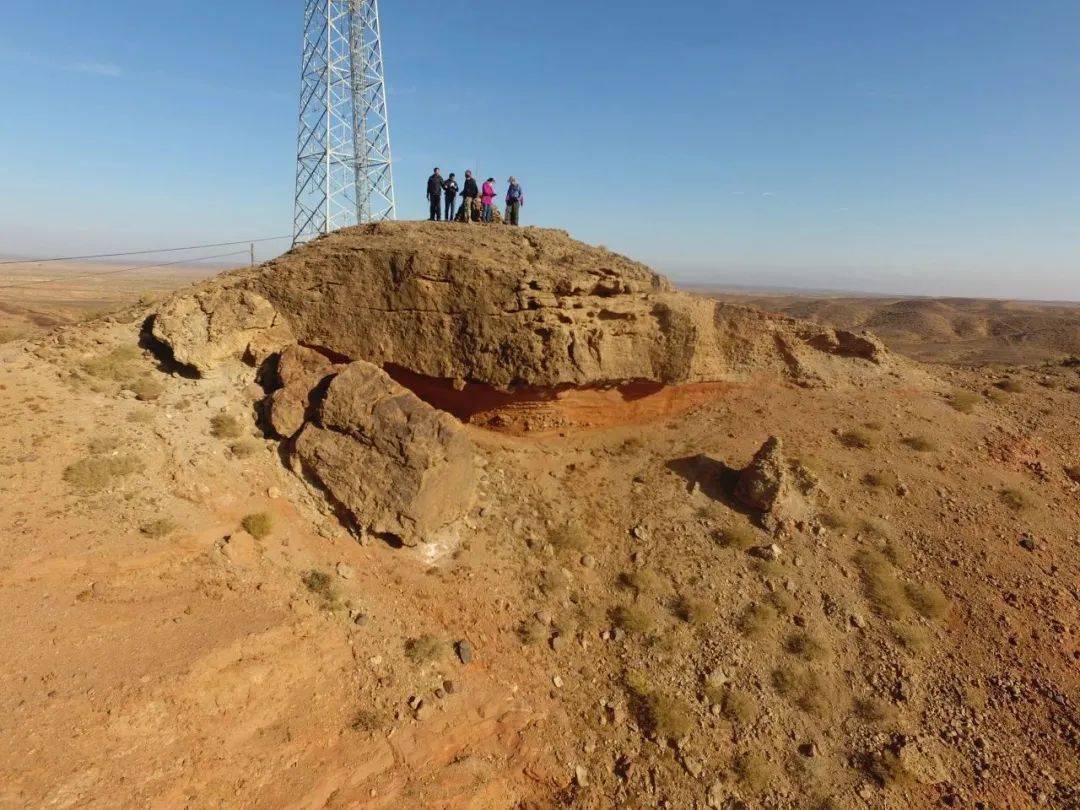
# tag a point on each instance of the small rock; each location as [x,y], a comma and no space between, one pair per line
[464,651]
[770,552]
[588,562]
[557,643]
[361,619]
[423,711]
[640,532]
[273,493]
[449,687]
[344,571]
[581,776]
[544,617]
[557,682]
[439,693]
[857,621]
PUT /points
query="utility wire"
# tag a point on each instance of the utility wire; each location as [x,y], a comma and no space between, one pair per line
[124,270]
[144,252]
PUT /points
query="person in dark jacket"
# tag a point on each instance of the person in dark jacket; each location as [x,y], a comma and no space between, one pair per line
[515,198]
[469,195]
[450,190]
[434,195]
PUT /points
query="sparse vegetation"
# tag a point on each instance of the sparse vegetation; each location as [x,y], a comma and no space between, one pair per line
[146,389]
[874,710]
[641,581]
[738,705]
[319,583]
[245,448]
[633,619]
[531,632]
[928,600]
[367,721]
[90,475]
[692,610]
[226,426]
[807,646]
[141,416]
[837,521]
[425,649]
[1015,499]
[662,715]
[739,538]
[881,479]
[884,590]
[914,638]
[757,620]
[783,601]
[921,444]
[570,536]
[258,524]
[857,438]
[802,686]
[1010,385]
[104,444]
[122,364]
[754,772]
[964,401]
[157,529]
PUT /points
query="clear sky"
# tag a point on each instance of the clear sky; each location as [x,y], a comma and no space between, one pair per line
[921,147]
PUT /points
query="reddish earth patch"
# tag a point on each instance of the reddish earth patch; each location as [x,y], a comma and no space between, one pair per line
[540,410]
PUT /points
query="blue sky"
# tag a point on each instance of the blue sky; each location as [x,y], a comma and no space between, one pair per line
[920,147]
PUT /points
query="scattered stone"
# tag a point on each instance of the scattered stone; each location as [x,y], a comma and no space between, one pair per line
[273,493]
[557,682]
[857,620]
[361,619]
[344,571]
[640,532]
[464,651]
[771,552]
[449,687]
[581,776]
[588,562]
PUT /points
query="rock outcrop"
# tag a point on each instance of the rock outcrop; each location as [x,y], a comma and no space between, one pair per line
[216,324]
[775,487]
[397,466]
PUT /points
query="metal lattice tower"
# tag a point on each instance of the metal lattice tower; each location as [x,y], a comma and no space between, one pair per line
[343,166]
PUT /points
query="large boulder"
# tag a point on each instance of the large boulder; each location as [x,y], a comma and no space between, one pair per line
[774,487]
[213,325]
[302,372]
[397,466]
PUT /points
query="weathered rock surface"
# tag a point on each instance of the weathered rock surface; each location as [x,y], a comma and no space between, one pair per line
[399,467]
[774,487]
[215,324]
[526,307]
[302,372]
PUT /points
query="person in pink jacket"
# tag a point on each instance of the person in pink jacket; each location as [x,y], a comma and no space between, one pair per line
[487,197]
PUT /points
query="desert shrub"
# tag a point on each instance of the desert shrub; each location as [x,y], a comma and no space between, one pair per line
[881,479]
[554,581]
[162,527]
[662,715]
[245,448]
[964,401]
[896,554]
[807,646]
[802,686]
[258,524]
[641,581]
[757,620]
[740,538]
[883,589]
[885,768]
[692,610]
[367,721]
[874,710]
[921,444]
[122,364]
[318,582]
[1015,499]
[738,705]
[914,638]
[146,389]
[1010,385]
[928,600]
[783,601]
[570,536]
[837,521]
[94,474]
[226,426]
[754,772]
[857,438]
[531,632]
[424,649]
[104,444]
[633,619]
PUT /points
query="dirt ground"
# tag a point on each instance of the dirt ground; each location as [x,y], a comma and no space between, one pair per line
[186,625]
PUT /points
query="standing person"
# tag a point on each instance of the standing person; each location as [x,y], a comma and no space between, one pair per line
[434,195]
[468,196]
[487,197]
[515,199]
[450,190]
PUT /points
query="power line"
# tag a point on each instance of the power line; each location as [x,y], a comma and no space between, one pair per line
[144,252]
[124,270]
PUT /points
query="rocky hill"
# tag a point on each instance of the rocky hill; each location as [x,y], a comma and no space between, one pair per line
[420,515]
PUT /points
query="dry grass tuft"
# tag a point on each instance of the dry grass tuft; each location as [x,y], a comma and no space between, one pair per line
[857,438]
[1015,499]
[226,426]
[738,706]
[142,416]
[104,444]
[754,772]
[641,581]
[807,646]
[914,638]
[570,536]
[757,620]
[661,715]
[783,601]
[693,610]
[245,448]
[803,687]
[146,389]
[425,649]
[367,721]
[881,479]
[964,401]
[633,619]
[321,584]
[928,600]
[837,521]
[874,710]
[883,589]
[122,364]
[531,632]
[739,538]
[160,528]
[1010,385]
[90,475]
[258,524]
[921,444]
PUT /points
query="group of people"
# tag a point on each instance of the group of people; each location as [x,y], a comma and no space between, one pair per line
[442,196]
